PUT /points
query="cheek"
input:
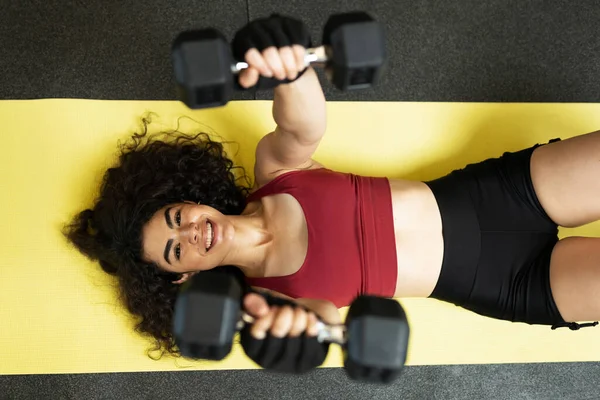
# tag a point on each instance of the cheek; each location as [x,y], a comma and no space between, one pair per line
[195,262]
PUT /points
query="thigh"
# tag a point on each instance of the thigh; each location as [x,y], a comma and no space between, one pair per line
[566,178]
[513,278]
[504,195]
[575,278]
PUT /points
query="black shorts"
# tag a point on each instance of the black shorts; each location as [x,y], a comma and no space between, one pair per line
[498,241]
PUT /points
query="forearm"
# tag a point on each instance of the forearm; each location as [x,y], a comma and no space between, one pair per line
[299,108]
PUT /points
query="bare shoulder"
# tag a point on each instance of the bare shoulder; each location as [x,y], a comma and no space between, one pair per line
[278,153]
[261,179]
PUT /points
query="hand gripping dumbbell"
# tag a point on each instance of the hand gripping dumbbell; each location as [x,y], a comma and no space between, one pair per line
[208,313]
[352,54]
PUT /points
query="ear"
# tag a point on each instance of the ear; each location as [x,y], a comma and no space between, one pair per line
[184,277]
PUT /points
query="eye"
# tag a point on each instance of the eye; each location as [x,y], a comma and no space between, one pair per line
[178,252]
[178,218]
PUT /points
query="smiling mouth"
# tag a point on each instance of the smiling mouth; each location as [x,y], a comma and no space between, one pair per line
[209,236]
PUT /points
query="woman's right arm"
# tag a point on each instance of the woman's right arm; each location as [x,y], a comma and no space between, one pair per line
[285,335]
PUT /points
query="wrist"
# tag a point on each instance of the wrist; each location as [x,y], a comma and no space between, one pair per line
[303,76]
[324,309]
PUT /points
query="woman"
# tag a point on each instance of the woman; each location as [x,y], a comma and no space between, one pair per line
[483,238]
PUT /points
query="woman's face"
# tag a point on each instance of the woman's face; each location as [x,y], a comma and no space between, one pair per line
[187,237]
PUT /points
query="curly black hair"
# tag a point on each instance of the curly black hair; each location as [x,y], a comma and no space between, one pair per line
[153,170]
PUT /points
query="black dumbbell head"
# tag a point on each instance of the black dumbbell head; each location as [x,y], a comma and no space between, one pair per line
[377,339]
[202,63]
[206,314]
[357,48]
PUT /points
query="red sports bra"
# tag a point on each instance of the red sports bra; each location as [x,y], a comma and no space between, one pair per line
[351,241]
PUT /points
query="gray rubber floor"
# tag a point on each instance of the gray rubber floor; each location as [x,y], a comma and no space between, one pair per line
[497,382]
[439,50]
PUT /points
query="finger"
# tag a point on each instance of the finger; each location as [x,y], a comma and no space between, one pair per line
[299,322]
[256,305]
[255,59]
[289,62]
[283,322]
[299,54]
[312,327]
[261,325]
[248,77]
[273,59]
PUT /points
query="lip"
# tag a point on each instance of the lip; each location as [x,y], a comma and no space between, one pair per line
[215,230]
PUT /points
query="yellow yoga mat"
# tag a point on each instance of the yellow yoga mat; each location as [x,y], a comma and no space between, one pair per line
[58,311]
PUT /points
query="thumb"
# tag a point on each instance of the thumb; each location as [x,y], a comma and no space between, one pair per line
[256,305]
[248,77]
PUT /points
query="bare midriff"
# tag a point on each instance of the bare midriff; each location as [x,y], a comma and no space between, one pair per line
[419,238]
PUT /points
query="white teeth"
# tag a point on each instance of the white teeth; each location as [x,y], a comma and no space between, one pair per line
[209,236]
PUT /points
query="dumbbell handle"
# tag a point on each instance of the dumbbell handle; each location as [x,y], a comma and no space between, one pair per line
[315,56]
[326,332]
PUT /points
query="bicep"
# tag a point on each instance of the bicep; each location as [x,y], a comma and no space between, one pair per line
[279,151]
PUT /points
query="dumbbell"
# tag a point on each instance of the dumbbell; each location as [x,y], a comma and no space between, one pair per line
[208,313]
[352,54]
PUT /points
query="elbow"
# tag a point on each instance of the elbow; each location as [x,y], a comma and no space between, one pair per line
[310,130]
[307,135]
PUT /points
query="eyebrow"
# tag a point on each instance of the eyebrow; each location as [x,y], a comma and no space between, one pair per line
[168,217]
[168,250]
[170,241]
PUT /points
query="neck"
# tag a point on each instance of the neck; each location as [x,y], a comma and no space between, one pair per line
[252,242]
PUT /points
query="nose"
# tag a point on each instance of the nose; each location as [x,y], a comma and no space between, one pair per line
[191,233]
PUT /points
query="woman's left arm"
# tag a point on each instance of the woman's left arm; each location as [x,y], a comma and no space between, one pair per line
[299,107]
[275,47]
